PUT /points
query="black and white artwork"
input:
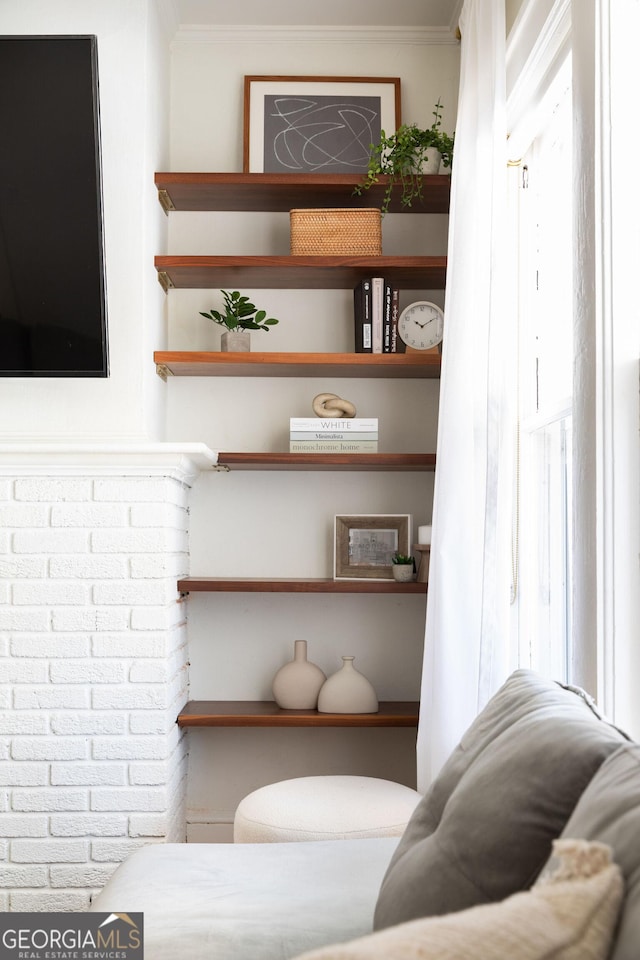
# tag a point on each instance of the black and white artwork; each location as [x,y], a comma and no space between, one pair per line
[316,125]
[321,134]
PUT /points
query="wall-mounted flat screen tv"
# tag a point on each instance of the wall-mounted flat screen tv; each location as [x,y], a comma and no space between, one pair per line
[52,285]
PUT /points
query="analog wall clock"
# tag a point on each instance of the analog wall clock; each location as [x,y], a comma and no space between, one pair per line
[421,325]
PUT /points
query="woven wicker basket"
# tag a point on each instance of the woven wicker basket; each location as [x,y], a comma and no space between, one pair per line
[336,232]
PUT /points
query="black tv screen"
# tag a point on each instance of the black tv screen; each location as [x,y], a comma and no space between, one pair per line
[52,287]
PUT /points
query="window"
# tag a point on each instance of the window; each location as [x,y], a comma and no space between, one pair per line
[545,317]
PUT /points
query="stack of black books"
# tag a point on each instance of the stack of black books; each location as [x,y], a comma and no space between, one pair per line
[375,305]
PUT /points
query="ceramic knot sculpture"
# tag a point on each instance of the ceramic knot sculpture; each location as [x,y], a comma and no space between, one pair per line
[333,406]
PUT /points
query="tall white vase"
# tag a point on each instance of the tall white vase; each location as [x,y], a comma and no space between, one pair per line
[347,691]
[296,685]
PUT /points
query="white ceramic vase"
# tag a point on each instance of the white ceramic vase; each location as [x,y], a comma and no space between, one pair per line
[347,691]
[296,685]
[236,341]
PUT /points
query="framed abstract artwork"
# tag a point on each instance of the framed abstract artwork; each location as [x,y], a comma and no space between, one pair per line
[316,124]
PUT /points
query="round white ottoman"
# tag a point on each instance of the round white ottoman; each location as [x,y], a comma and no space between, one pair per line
[324,808]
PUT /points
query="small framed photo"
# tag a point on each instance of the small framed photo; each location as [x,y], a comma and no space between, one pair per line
[365,543]
[316,124]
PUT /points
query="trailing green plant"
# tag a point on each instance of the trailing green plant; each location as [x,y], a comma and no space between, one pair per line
[240,314]
[446,148]
[401,156]
[401,558]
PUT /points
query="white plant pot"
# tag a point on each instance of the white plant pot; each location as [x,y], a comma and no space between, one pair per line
[431,164]
[402,572]
[235,341]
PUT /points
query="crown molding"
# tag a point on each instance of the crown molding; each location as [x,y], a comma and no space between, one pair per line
[454,22]
[168,15]
[211,33]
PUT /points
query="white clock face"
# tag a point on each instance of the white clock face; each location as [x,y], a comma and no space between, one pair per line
[421,325]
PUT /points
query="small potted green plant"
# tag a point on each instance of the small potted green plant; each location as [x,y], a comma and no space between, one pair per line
[402,567]
[405,156]
[445,147]
[240,317]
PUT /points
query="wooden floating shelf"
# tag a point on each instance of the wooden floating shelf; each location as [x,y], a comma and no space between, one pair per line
[219,364]
[296,585]
[266,713]
[281,192]
[327,461]
[299,273]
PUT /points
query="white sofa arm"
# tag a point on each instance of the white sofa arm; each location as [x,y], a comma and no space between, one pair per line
[265,901]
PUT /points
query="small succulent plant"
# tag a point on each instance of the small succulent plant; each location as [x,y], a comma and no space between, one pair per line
[401,558]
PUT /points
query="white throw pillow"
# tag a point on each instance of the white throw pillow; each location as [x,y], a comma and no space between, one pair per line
[569,914]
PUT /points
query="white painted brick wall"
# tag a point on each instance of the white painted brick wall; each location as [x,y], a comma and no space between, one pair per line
[93,671]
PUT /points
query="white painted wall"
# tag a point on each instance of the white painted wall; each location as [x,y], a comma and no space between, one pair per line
[133,77]
[282,523]
[93,535]
[264,523]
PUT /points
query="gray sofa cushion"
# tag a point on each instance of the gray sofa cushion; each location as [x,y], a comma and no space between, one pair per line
[484,829]
[609,811]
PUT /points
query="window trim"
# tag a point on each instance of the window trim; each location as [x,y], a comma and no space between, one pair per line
[538,45]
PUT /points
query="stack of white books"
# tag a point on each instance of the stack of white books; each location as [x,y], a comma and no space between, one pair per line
[330,435]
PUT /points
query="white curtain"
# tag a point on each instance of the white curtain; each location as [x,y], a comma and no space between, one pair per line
[467,645]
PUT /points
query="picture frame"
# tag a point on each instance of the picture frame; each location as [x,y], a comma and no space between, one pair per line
[364,543]
[316,124]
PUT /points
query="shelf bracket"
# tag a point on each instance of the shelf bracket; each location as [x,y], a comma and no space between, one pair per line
[165,201]
[164,280]
[221,468]
[163,371]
